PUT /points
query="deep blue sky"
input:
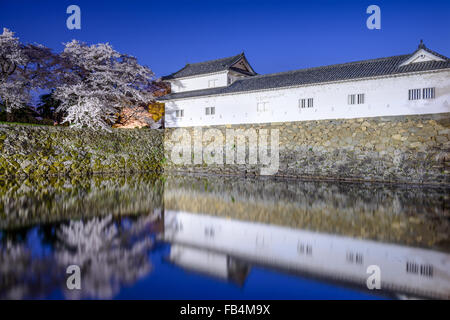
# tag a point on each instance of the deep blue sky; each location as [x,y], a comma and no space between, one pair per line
[275,35]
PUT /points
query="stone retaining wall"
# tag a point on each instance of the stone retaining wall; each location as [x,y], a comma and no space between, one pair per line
[405,149]
[51,151]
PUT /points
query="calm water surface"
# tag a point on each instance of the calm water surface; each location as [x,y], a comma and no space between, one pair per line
[184,237]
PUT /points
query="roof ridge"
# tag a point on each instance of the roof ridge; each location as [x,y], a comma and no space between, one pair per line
[323,67]
[215,60]
[208,66]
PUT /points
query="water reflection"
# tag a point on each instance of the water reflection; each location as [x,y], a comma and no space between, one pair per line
[222,229]
[24,275]
[104,225]
[216,245]
[322,230]
[110,254]
[32,202]
[408,215]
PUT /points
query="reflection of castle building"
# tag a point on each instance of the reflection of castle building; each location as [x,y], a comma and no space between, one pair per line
[207,244]
[209,262]
[386,213]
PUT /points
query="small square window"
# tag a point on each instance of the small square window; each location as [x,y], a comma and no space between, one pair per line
[261,106]
[356,98]
[212,83]
[361,98]
[302,103]
[306,103]
[179,113]
[351,99]
[428,93]
[414,94]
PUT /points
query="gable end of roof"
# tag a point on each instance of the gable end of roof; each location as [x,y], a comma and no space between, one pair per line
[211,66]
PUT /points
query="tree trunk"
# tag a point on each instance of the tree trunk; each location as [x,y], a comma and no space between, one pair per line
[9,116]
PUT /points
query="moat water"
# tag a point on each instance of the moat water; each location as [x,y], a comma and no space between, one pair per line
[186,237]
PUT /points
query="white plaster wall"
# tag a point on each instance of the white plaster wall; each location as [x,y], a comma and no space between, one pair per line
[197,83]
[233,76]
[383,97]
[199,260]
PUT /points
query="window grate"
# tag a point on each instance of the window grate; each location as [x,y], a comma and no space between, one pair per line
[306,103]
[262,106]
[354,257]
[414,94]
[361,98]
[351,99]
[210,111]
[302,103]
[212,83]
[356,98]
[359,258]
[419,269]
[303,248]
[428,93]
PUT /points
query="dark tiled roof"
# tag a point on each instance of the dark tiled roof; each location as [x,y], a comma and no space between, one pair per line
[337,72]
[192,69]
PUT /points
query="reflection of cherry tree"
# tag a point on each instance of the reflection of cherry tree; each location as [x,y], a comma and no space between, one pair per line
[109,255]
[23,275]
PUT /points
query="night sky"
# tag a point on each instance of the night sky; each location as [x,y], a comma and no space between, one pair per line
[275,35]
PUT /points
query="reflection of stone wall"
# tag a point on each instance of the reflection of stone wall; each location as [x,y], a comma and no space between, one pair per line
[413,216]
[27,202]
[403,149]
[44,150]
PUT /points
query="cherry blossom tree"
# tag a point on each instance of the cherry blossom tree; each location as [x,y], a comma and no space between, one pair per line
[101,82]
[11,82]
[24,68]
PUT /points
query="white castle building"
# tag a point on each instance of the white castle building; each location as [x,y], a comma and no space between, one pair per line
[228,91]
